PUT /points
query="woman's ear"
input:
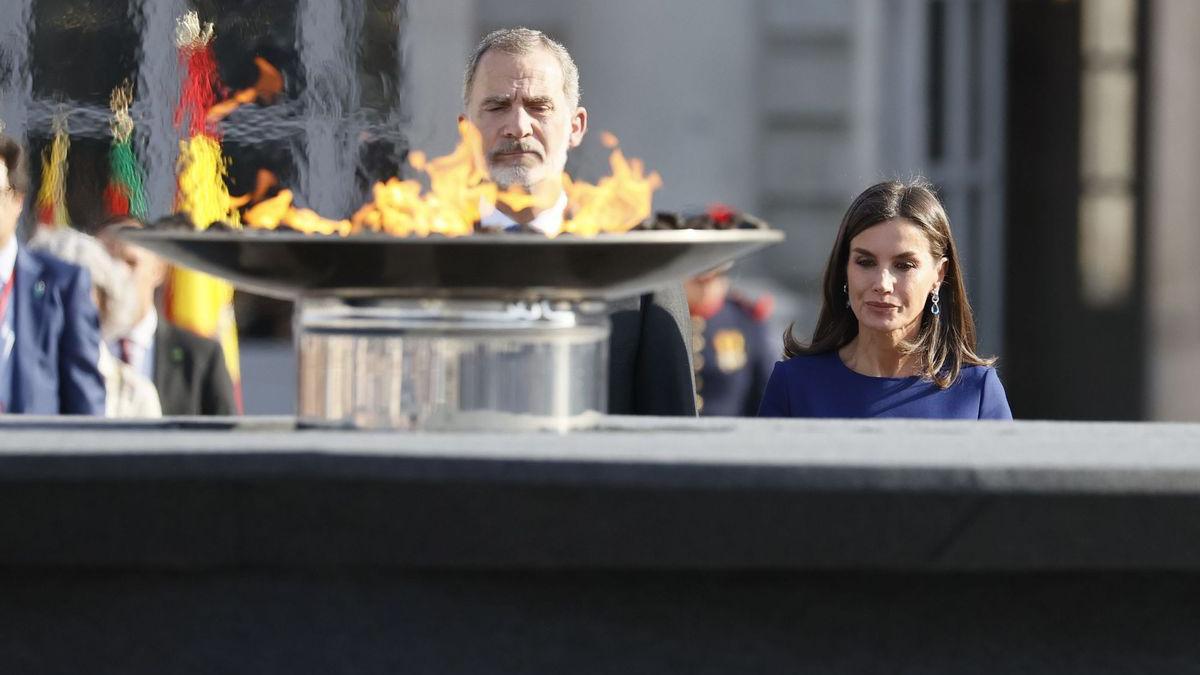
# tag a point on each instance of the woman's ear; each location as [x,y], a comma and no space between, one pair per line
[941,272]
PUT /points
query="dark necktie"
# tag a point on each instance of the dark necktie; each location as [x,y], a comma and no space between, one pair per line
[126,347]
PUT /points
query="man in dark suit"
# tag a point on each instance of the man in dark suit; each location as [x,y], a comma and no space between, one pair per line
[49,327]
[188,370]
[521,91]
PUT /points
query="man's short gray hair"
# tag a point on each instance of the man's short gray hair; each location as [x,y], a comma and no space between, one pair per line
[520,41]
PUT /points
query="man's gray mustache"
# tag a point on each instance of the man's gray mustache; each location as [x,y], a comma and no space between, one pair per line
[511,147]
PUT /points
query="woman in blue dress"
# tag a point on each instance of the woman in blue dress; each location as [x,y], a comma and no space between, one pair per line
[895,336]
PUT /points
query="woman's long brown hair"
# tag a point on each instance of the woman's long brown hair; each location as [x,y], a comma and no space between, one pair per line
[945,342]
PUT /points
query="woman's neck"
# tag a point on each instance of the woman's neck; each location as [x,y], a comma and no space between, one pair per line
[878,354]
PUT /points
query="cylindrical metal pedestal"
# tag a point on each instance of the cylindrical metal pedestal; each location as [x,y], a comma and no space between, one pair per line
[452,365]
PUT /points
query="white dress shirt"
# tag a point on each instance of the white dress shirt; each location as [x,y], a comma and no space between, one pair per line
[140,345]
[128,393]
[8,259]
[548,222]
[8,335]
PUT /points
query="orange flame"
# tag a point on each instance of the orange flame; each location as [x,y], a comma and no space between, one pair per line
[617,203]
[264,180]
[269,213]
[267,88]
[278,210]
[460,192]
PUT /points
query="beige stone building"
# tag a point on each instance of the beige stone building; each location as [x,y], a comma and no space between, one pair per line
[1064,136]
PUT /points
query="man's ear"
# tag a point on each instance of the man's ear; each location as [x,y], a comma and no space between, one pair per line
[578,126]
[462,117]
[161,270]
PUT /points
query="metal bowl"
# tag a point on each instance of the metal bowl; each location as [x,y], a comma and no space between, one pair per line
[503,266]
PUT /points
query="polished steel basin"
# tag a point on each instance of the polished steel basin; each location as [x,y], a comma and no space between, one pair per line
[484,266]
[486,332]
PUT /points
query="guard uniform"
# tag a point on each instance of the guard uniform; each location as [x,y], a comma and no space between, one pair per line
[733,355]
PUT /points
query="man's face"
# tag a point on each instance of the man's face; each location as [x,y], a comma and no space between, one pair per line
[11,204]
[147,270]
[518,105]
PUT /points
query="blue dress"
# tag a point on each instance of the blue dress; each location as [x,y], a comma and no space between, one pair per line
[823,386]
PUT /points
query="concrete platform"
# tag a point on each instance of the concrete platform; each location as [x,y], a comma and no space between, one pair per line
[654,545]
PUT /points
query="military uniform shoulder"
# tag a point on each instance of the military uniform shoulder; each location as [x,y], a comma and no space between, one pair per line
[756,310]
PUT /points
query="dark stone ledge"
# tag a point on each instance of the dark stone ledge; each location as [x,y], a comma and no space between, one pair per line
[653,546]
[643,493]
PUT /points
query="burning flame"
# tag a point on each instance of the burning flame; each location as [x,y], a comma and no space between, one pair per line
[267,88]
[617,203]
[460,192]
[264,180]
[278,210]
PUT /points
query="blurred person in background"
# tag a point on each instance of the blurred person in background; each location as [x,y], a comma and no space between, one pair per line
[49,326]
[128,392]
[188,370]
[895,336]
[521,90]
[733,353]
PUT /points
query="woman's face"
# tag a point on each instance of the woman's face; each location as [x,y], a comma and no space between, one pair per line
[890,275]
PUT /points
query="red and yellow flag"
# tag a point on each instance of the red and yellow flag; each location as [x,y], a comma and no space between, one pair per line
[51,201]
[201,303]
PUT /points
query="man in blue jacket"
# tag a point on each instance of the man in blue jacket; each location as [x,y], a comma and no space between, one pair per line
[49,327]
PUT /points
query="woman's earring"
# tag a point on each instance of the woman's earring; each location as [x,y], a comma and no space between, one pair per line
[846,292]
[935,309]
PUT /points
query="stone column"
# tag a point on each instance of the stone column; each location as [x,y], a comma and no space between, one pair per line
[1173,235]
[679,93]
[156,96]
[437,38]
[328,34]
[16,82]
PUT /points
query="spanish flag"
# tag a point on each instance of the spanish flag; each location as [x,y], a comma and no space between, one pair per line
[51,201]
[201,303]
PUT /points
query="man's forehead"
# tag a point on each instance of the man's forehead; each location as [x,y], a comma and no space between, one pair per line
[536,73]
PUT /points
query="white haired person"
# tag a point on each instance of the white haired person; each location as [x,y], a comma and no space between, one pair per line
[128,392]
